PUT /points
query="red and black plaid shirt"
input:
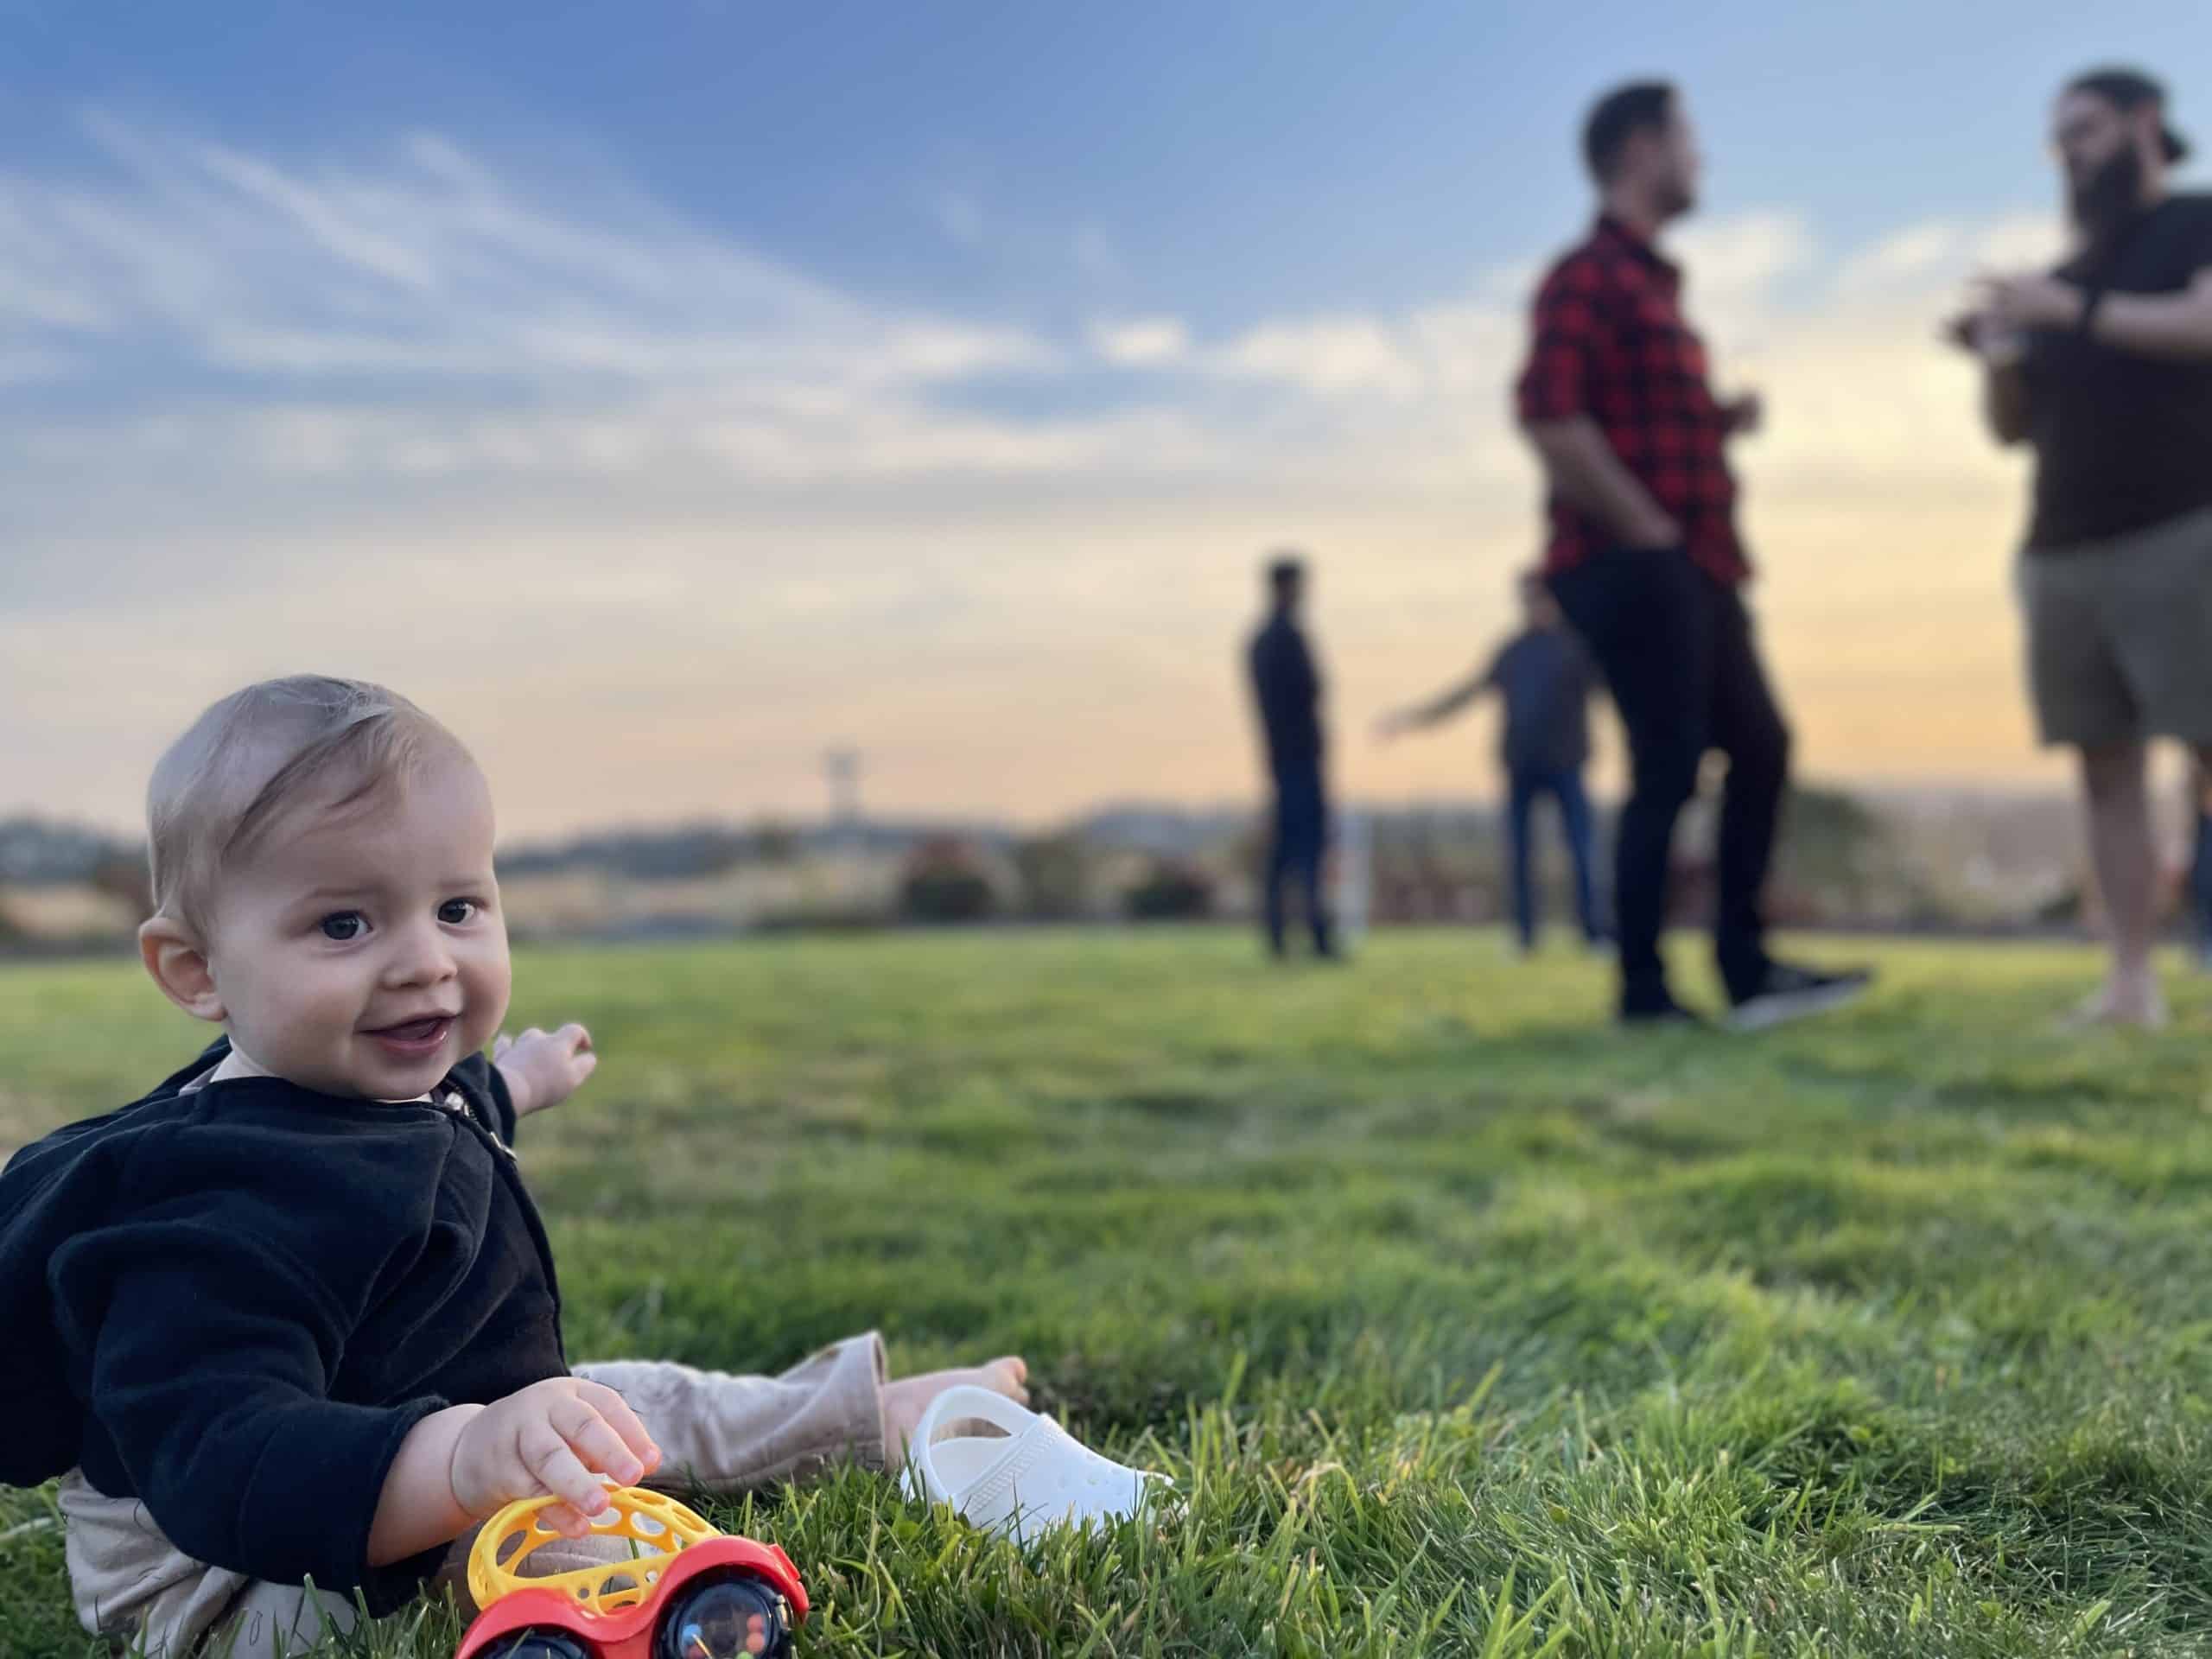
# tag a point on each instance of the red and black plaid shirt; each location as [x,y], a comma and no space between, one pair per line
[1610,343]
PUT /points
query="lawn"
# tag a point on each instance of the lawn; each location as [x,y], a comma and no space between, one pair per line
[1465,1324]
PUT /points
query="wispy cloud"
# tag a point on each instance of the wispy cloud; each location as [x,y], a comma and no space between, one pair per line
[423,312]
[1141,342]
[956,213]
[1743,260]
[388,392]
[34,363]
[1328,356]
[430,291]
[1902,257]
[1943,254]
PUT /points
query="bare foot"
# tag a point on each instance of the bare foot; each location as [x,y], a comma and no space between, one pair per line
[905,1399]
[2140,1006]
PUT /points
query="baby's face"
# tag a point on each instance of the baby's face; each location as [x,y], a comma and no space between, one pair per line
[362,951]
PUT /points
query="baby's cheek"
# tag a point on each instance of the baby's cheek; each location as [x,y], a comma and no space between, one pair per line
[306,1005]
[488,981]
[331,1000]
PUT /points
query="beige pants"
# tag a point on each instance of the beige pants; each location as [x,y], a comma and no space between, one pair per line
[717,1432]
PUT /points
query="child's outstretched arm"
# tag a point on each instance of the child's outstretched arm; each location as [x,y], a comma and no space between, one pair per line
[1438,709]
[542,1069]
[460,1465]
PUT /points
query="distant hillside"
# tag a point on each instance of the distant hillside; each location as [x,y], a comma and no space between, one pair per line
[1918,858]
[679,852]
[2006,829]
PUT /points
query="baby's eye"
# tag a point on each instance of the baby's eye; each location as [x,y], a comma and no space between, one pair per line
[342,925]
[455,912]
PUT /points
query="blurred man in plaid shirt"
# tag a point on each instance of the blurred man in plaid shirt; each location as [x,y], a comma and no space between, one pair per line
[1646,562]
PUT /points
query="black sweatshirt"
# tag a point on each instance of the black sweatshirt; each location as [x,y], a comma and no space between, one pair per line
[234,1304]
[1288,688]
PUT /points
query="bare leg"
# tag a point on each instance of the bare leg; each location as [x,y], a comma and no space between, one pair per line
[2125,858]
[905,1399]
[2198,884]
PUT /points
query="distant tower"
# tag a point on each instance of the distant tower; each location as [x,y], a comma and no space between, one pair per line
[842,768]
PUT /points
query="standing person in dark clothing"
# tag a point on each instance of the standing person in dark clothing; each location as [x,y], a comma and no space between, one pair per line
[1288,690]
[2104,367]
[1546,679]
[1646,562]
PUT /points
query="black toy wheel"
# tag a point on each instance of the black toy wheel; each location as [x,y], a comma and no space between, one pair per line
[729,1616]
[537,1644]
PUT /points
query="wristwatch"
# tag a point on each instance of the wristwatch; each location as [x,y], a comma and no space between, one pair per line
[2091,298]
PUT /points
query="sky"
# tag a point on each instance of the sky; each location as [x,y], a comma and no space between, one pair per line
[665,393]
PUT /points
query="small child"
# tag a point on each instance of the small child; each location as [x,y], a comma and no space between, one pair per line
[293,1315]
[1546,680]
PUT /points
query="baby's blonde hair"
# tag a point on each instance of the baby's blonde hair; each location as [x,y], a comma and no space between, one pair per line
[220,787]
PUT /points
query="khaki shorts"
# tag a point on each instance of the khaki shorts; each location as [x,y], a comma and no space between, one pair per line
[2119,636]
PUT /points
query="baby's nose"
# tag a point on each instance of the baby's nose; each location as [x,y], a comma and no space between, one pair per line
[421,957]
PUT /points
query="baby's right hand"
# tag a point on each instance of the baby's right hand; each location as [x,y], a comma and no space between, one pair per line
[553,1437]
[543,1071]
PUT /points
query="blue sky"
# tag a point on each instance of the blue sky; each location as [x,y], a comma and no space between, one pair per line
[958,360]
[1227,158]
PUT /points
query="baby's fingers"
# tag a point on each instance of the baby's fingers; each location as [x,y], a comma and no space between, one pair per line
[591,1438]
[572,1038]
[614,1410]
[554,1467]
[565,1519]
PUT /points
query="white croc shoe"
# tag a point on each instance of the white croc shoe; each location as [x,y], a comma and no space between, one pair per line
[1034,1476]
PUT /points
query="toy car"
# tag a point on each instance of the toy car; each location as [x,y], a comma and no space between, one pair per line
[686,1591]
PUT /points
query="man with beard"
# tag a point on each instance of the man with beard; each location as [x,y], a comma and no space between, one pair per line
[2104,367]
[1646,562]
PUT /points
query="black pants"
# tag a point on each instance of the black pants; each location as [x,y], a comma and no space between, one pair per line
[1302,834]
[1677,651]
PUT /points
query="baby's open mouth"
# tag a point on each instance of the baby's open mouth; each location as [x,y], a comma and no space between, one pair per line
[415,1036]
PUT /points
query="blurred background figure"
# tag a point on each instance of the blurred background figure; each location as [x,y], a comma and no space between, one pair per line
[1348,877]
[1646,561]
[2199,891]
[1286,689]
[1545,677]
[2104,367]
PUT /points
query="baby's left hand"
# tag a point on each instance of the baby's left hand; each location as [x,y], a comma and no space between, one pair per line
[543,1070]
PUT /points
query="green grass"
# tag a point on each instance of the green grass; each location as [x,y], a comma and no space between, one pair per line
[1465,1324]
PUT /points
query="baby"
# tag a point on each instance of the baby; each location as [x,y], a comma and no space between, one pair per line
[287,1327]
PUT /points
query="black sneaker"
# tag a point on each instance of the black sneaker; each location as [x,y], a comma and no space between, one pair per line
[1788,993]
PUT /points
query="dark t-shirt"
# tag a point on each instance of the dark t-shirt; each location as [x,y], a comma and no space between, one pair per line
[1288,688]
[1544,676]
[2122,440]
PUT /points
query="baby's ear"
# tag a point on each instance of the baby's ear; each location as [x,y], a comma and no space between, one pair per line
[172,955]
